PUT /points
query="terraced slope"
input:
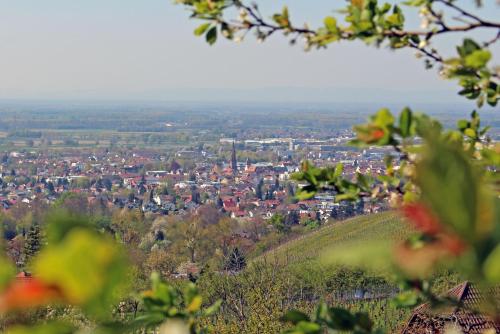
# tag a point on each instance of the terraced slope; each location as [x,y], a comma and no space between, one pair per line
[385,226]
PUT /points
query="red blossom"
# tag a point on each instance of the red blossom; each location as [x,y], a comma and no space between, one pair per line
[422,218]
[29,293]
[453,244]
[378,134]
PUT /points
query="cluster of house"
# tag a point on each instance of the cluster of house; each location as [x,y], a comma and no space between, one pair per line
[150,182]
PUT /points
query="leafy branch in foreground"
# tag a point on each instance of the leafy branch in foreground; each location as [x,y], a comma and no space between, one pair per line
[337,319]
[165,307]
[446,182]
[447,185]
[84,269]
[372,23]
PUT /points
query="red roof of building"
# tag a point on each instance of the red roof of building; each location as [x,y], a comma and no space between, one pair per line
[427,321]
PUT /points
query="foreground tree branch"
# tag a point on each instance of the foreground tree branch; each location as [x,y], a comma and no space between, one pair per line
[375,24]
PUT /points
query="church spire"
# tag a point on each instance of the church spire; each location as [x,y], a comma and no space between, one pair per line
[234,163]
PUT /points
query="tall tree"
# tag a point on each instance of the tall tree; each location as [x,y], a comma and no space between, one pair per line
[50,188]
[278,221]
[259,189]
[33,242]
[292,218]
[234,162]
[235,261]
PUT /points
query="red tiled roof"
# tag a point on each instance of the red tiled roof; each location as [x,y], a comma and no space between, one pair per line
[427,321]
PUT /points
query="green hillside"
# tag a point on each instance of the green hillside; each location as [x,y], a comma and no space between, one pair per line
[292,276]
[385,226]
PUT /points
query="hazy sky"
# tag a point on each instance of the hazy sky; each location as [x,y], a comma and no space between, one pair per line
[145,50]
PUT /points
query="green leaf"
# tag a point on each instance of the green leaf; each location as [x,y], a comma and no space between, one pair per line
[62,222]
[405,121]
[383,118]
[341,319]
[470,133]
[284,12]
[211,36]
[190,292]
[7,272]
[50,328]
[415,3]
[201,29]
[450,186]
[195,304]
[406,299]
[150,319]
[478,59]
[462,124]
[364,321]
[88,268]
[491,266]
[306,192]
[467,47]
[212,309]
[397,18]
[331,24]
[295,316]
[339,169]
[304,327]
[321,311]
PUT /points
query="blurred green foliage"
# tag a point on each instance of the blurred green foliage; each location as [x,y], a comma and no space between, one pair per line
[446,182]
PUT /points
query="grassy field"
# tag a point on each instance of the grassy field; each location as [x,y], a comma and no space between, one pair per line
[57,139]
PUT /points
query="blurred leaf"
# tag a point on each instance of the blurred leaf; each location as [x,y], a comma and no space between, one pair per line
[363,320]
[295,316]
[427,127]
[88,268]
[306,192]
[408,298]
[341,319]
[491,266]
[174,326]
[212,309]
[201,29]
[50,328]
[422,218]
[211,36]
[7,272]
[195,304]
[418,258]
[450,187]
[462,124]
[405,120]
[304,327]
[61,222]
[468,47]
[150,319]
[383,118]
[478,58]
[190,292]
[372,134]
[29,293]
[321,312]
[331,24]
